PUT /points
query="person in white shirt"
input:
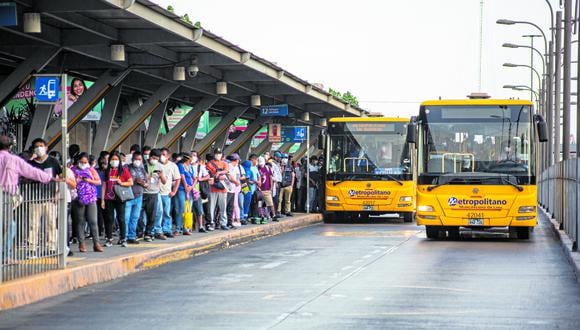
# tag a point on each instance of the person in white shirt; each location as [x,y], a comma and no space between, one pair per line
[166,192]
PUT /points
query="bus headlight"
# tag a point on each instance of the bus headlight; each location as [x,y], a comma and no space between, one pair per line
[425,208]
[406,199]
[331,198]
[527,209]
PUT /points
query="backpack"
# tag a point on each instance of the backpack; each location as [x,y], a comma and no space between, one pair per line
[203,185]
[287,176]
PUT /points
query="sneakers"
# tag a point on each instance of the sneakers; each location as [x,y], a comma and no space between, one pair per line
[265,221]
[123,243]
[132,241]
[186,233]
[168,235]
[148,238]
[275,219]
[202,230]
[244,222]
[256,220]
[160,237]
[109,242]
[288,214]
[224,228]
[210,228]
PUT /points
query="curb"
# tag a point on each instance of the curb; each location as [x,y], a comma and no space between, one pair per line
[566,243]
[41,286]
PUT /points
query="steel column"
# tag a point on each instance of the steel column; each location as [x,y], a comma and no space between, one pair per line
[85,103]
[189,120]
[23,72]
[39,122]
[204,145]
[247,135]
[144,111]
[567,80]
[264,146]
[155,123]
[104,125]
[557,86]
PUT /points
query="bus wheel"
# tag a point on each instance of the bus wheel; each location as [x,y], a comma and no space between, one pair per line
[432,232]
[454,234]
[329,217]
[523,232]
[408,217]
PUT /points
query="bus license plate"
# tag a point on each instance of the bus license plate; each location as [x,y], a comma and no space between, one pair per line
[475,222]
[367,207]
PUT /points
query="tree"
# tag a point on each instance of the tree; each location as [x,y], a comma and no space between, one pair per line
[348,97]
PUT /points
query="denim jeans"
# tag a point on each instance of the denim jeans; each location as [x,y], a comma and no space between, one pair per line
[157,224]
[132,214]
[165,225]
[312,198]
[180,208]
[247,203]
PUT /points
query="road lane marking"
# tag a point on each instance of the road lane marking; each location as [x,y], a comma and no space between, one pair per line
[273,264]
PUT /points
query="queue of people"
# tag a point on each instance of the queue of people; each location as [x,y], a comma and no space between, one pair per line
[151,194]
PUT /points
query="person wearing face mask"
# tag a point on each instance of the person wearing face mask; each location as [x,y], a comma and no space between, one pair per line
[314,178]
[85,206]
[133,207]
[156,178]
[44,211]
[146,153]
[287,185]
[218,170]
[115,174]
[166,191]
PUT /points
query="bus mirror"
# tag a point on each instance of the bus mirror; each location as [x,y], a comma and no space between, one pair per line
[321,142]
[542,128]
[412,133]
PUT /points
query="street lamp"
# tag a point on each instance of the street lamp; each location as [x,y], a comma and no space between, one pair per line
[524,88]
[510,45]
[511,65]
[510,22]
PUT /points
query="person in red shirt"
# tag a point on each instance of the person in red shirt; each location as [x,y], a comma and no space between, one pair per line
[116,173]
[219,174]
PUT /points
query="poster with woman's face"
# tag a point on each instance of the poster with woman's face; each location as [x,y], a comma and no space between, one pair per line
[76,88]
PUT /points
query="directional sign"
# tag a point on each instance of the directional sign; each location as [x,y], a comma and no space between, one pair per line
[278,110]
[47,89]
[8,14]
[294,134]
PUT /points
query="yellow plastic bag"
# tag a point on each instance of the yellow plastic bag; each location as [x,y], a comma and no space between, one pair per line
[188,216]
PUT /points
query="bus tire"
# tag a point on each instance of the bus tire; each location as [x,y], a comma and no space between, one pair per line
[432,232]
[523,232]
[329,217]
[454,234]
[408,217]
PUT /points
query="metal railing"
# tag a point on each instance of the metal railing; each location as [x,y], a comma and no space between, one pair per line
[558,194]
[33,229]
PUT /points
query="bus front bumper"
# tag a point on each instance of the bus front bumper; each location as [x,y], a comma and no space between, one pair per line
[434,220]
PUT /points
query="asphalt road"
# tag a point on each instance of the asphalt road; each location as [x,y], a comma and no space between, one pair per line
[335,276]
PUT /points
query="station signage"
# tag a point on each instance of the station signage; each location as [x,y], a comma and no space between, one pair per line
[275,133]
[47,89]
[8,14]
[294,134]
[277,110]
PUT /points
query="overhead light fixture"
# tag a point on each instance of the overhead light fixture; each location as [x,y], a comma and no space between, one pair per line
[256,100]
[32,23]
[323,122]
[179,73]
[221,88]
[306,116]
[118,52]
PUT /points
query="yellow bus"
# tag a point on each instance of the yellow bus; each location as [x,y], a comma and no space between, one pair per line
[369,169]
[477,166]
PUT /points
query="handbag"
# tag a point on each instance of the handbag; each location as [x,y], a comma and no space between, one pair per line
[219,185]
[123,193]
[188,216]
[204,189]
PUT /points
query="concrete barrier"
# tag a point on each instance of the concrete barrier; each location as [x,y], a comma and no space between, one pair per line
[566,243]
[35,288]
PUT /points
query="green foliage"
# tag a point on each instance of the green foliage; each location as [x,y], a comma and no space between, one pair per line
[347,97]
[186,19]
[171,9]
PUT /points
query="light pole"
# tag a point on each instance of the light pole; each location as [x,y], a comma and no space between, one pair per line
[547,52]
[525,88]
[512,65]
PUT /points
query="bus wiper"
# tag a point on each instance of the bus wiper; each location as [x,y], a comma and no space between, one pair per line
[506,180]
[441,184]
[393,178]
[348,178]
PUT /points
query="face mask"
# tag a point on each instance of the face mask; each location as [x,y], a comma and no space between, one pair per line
[163,159]
[218,157]
[137,163]
[285,161]
[314,163]
[194,159]
[114,163]
[146,157]
[153,162]
[84,166]
[40,151]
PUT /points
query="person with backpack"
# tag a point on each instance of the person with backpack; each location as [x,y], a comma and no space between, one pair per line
[286,185]
[85,206]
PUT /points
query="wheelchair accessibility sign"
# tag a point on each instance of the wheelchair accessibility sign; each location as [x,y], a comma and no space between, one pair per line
[47,89]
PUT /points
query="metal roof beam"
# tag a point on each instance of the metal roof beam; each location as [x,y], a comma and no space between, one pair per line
[69,6]
[242,75]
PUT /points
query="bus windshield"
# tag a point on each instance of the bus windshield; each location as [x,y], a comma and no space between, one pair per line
[367,150]
[476,141]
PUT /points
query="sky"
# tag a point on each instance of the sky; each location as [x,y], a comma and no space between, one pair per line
[390,54]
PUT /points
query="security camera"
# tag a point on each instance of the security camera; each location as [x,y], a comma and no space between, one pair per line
[193,70]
